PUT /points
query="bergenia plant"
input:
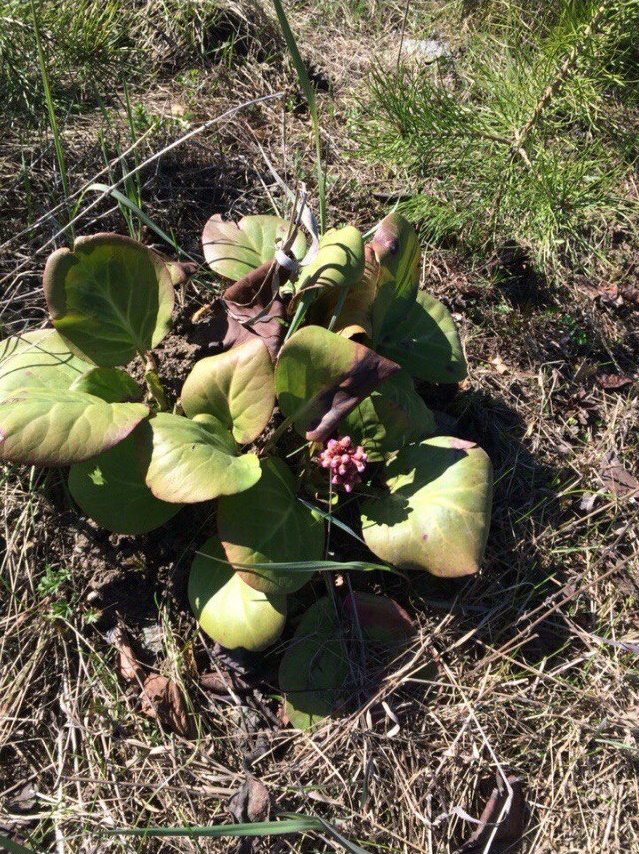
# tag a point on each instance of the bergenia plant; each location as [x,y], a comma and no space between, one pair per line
[307,403]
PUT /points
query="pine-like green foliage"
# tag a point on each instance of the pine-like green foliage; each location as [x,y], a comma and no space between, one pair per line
[527,135]
[83,41]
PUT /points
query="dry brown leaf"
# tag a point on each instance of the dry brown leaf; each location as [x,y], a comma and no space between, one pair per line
[617,479]
[498,364]
[214,682]
[252,299]
[251,802]
[613,381]
[630,294]
[612,294]
[162,699]
[509,831]
[130,668]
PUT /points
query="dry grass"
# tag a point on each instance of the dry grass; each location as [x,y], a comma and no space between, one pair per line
[516,671]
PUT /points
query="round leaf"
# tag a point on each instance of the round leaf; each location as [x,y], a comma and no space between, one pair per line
[427,343]
[56,427]
[436,514]
[268,524]
[396,248]
[321,376]
[314,669]
[110,488]
[338,263]
[379,618]
[39,359]
[236,387]
[110,384]
[190,461]
[228,610]
[392,416]
[110,298]
[234,249]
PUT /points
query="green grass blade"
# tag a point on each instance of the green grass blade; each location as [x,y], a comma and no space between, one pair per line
[53,122]
[332,519]
[300,824]
[341,840]
[309,94]
[15,847]
[128,203]
[308,567]
[288,824]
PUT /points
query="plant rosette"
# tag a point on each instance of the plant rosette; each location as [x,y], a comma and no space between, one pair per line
[311,388]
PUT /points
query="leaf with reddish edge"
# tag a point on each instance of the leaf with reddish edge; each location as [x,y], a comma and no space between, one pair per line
[396,248]
[237,387]
[110,298]
[188,461]
[381,619]
[268,524]
[436,513]
[321,376]
[233,249]
[228,610]
[426,343]
[38,359]
[53,427]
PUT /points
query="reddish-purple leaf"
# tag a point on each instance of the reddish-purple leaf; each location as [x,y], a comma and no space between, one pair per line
[321,377]
[380,619]
[252,307]
[613,381]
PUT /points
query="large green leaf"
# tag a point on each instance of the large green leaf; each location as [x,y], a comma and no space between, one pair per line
[396,248]
[110,298]
[321,376]
[190,461]
[427,343]
[268,524]
[56,427]
[111,489]
[234,249]
[39,359]
[338,263]
[314,670]
[111,384]
[238,387]
[228,610]
[436,514]
[392,416]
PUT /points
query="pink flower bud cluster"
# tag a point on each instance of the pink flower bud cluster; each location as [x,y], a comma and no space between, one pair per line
[345,462]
